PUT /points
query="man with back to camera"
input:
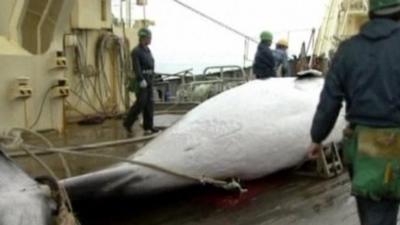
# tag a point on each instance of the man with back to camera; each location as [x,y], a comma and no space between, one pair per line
[365,73]
[143,65]
[264,63]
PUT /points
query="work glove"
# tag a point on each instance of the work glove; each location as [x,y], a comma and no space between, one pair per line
[143,84]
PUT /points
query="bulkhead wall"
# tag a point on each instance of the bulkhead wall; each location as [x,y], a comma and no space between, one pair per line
[37,62]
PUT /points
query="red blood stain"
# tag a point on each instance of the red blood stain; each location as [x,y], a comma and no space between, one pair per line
[254,189]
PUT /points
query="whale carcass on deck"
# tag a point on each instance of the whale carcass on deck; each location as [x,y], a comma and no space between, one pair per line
[22,200]
[247,132]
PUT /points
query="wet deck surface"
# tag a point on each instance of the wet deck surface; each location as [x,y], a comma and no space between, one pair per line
[167,120]
[76,135]
[280,199]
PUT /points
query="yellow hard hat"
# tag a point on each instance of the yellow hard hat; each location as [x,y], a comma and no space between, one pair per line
[283,42]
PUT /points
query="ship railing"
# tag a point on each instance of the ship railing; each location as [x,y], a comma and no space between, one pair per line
[211,83]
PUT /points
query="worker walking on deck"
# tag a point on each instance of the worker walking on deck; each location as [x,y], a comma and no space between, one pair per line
[264,63]
[365,73]
[281,58]
[143,65]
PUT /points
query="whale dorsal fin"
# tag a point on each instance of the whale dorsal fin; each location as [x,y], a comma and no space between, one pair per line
[311,73]
[307,80]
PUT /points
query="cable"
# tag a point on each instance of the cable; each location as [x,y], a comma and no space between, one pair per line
[97,88]
[83,68]
[75,109]
[87,78]
[86,102]
[216,21]
[50,145]
[81,62]
[41,107]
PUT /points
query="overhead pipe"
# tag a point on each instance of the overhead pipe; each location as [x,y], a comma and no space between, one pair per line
[39,27]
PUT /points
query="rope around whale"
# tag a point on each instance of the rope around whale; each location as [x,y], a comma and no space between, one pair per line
[65,213]
[232,185]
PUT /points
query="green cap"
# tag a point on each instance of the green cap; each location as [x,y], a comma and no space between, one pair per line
[266,36]
[383,5]
[144,32]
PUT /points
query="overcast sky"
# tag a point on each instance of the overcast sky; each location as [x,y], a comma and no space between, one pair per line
[182,39]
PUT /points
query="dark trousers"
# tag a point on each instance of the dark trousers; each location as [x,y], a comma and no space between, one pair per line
[144,104]
[377,213]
